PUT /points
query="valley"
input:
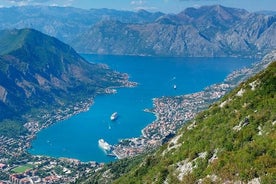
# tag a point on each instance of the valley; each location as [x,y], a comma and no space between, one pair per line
[224,133]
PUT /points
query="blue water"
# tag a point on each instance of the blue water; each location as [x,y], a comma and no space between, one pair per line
[78,136]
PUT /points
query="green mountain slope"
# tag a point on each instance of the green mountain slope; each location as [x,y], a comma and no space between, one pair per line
[40,75]
[232,141]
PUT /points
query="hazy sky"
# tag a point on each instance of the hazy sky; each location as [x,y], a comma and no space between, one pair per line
[167,6]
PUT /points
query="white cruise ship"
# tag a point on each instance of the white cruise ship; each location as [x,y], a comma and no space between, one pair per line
[104,145]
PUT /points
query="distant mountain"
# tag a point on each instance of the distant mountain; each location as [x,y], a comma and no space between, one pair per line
[208,31]
[38,72]
[233,141]
[267,12]
[65,23]
[203,32]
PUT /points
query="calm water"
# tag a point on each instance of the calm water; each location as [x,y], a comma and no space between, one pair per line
[78,136]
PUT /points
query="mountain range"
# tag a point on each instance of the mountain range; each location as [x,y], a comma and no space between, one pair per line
[233,141]
[65,23]
[208,31]
[39,72]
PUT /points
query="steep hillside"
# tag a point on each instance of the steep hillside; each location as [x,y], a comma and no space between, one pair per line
[38,72]
[206,32]
[232,141]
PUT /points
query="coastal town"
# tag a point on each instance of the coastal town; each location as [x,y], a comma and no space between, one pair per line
[18,166]
[40,169]
[172,112]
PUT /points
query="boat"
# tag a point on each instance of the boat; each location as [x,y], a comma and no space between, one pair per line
[114,116]
[174,86]
[104,145]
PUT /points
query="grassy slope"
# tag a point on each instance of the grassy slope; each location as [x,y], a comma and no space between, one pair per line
[11,40]
[240,155]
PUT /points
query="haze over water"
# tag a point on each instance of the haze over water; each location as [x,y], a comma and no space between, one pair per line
[78,136]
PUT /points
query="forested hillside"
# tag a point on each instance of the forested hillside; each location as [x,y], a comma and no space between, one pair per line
[39,75]
[232,141]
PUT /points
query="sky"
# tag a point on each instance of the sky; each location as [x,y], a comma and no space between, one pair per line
[166,6]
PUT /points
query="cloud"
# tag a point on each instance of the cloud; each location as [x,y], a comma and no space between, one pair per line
[142,5]
[149,8]
[39,2]
[196,0]
[19,2]
[139,2]
[26,1]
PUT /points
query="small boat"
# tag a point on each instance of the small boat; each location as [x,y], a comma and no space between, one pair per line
[114,116]
[174,86]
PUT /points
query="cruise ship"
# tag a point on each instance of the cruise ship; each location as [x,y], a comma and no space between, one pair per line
[104,145]
[114,116]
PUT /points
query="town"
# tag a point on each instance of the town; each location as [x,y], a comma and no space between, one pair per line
[172,112]
[40,169]
[17,166]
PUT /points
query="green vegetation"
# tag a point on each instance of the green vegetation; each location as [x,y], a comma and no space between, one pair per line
[22,169]
[10,42]
[112,170]
[234,140]
[3,176]
[10,128]
[43,77]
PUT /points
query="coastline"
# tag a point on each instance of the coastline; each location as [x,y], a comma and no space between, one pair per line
[34,127]
[64,113]
[151,136]
[172,112]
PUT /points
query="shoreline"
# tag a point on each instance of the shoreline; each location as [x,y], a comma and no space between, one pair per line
[154,140]
[165,110]
[170,114]
[83,106]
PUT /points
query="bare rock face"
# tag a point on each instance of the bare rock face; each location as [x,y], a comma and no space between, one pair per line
[210,31]
[3,94]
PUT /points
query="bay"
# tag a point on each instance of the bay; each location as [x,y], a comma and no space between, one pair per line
[78,136]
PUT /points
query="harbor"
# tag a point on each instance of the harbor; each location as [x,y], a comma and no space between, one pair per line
[130,104]
[172,112]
